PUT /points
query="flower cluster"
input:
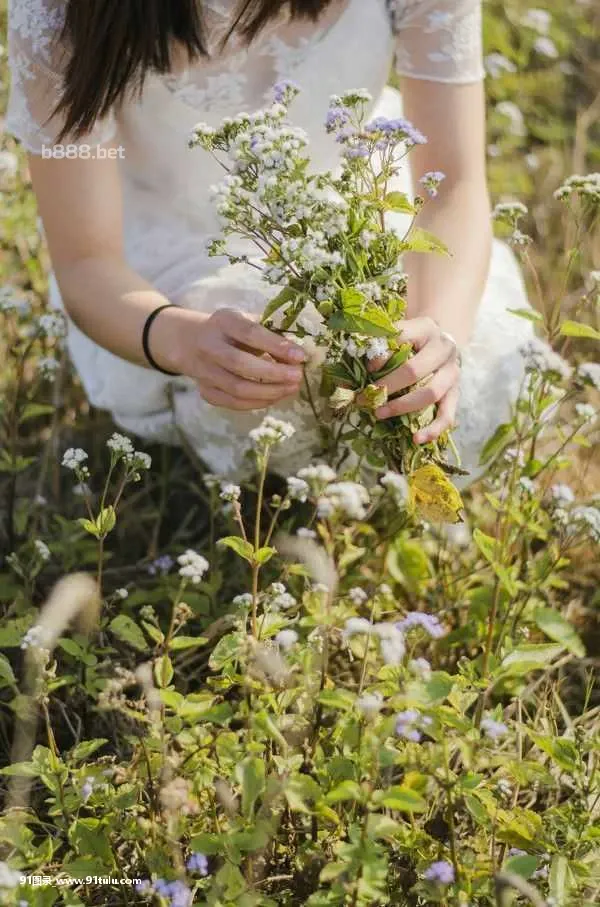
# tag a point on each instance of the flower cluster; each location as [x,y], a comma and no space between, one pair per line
[271,431]
[193,566]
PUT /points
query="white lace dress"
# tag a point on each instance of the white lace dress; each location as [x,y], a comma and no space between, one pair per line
[168,214]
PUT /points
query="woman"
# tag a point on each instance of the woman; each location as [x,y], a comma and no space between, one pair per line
[104,96]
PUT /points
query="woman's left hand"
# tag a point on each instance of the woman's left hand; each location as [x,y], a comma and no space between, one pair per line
[436,355]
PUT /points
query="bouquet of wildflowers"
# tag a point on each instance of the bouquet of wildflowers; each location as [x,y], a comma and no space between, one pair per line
[323,243]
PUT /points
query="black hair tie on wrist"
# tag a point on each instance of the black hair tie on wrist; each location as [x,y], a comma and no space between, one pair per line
[146,334]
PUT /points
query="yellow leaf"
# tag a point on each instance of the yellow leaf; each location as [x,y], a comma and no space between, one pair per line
[433,496]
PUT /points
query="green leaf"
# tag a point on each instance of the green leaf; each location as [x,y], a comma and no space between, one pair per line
[347,790]
[263,555]
[33,410]
[336,699]
[477,810]
[239,545]
[225,651]
[577,329]
[402,799]
[561,879]
[496,443]
[523,865]
[420,240]
[486,544]
[529,314]
[127,630]
[399,201]
[163,671]
[287,295]
[528,658]
[563,752]
[106,520]
[89,526]
[558,628]
[187,642]
[84,750]
[251,776]
[7,677]
[360,317]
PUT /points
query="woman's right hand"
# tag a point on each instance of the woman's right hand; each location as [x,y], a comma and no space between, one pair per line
[236,362]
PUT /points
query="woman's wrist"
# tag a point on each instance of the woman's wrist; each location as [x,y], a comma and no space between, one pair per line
[168,336]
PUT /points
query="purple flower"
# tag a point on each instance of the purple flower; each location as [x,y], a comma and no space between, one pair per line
[406,725]
[397,130]
[87,789]
[143,887]
[428,622]
[161,565]
[431,181]
[337,118]
[198,863]
[493,729]
[356,151]
[441,871]
[284,91]
[177,893]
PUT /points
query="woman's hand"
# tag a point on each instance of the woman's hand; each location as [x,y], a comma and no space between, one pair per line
[435,355]
[237,363]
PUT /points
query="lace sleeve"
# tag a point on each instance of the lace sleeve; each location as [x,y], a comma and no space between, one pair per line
[438,40]
[36,60]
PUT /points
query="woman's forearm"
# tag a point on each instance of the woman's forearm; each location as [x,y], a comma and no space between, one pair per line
[110,303]
[449,289]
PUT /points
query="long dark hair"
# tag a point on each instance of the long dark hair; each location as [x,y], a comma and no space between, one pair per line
[115,43]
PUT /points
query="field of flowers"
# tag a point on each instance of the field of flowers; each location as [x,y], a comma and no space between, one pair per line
[311,691]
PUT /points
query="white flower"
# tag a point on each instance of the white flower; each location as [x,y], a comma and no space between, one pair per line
[538,19]
[585,411]
[9,165]
[11,302]
[9,878]
[283,601]
[590,517]
[211,480]
[244,600]
[562,494]
[542,357]
[420,667]
[74,457]
[285,639]
[318,474]
[35,637]
[192,565]
[120,445]
[504,787]
[545,47]
[357,595]
[377,348]
[42,549]
[356,625]
[122,593]
[141,459]
[270,431]
[397,485]
[594,277]
[297,489]
[230,492]
[48,367]
[514,114]
[393,647]
[304,533]
[511,211]
[370,704]
[347,498]
[52,324]
[527,485]
[590,371]
[495,64]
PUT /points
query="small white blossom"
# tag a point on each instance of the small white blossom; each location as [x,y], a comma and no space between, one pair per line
[317,475]
[285,639]
[538,19]
[48,367]
[122,593]
[357,595]
[304,533]
[230,492]
[527,485]
[87,789]
[74,457]
[545,47]
[589,517]
[192,565]
[377,348]
[585,411]
[393,646]
[120,445]
[397,486]
[495,64]
[35,637]
[271,431]
[420,667]
[356,625]
[562,494]
[347,498]
[504,787]
[590,372]
[298,489]
[141,459]
[42,550]
[370,704]
[52,324]
[244,600]
[9,878]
